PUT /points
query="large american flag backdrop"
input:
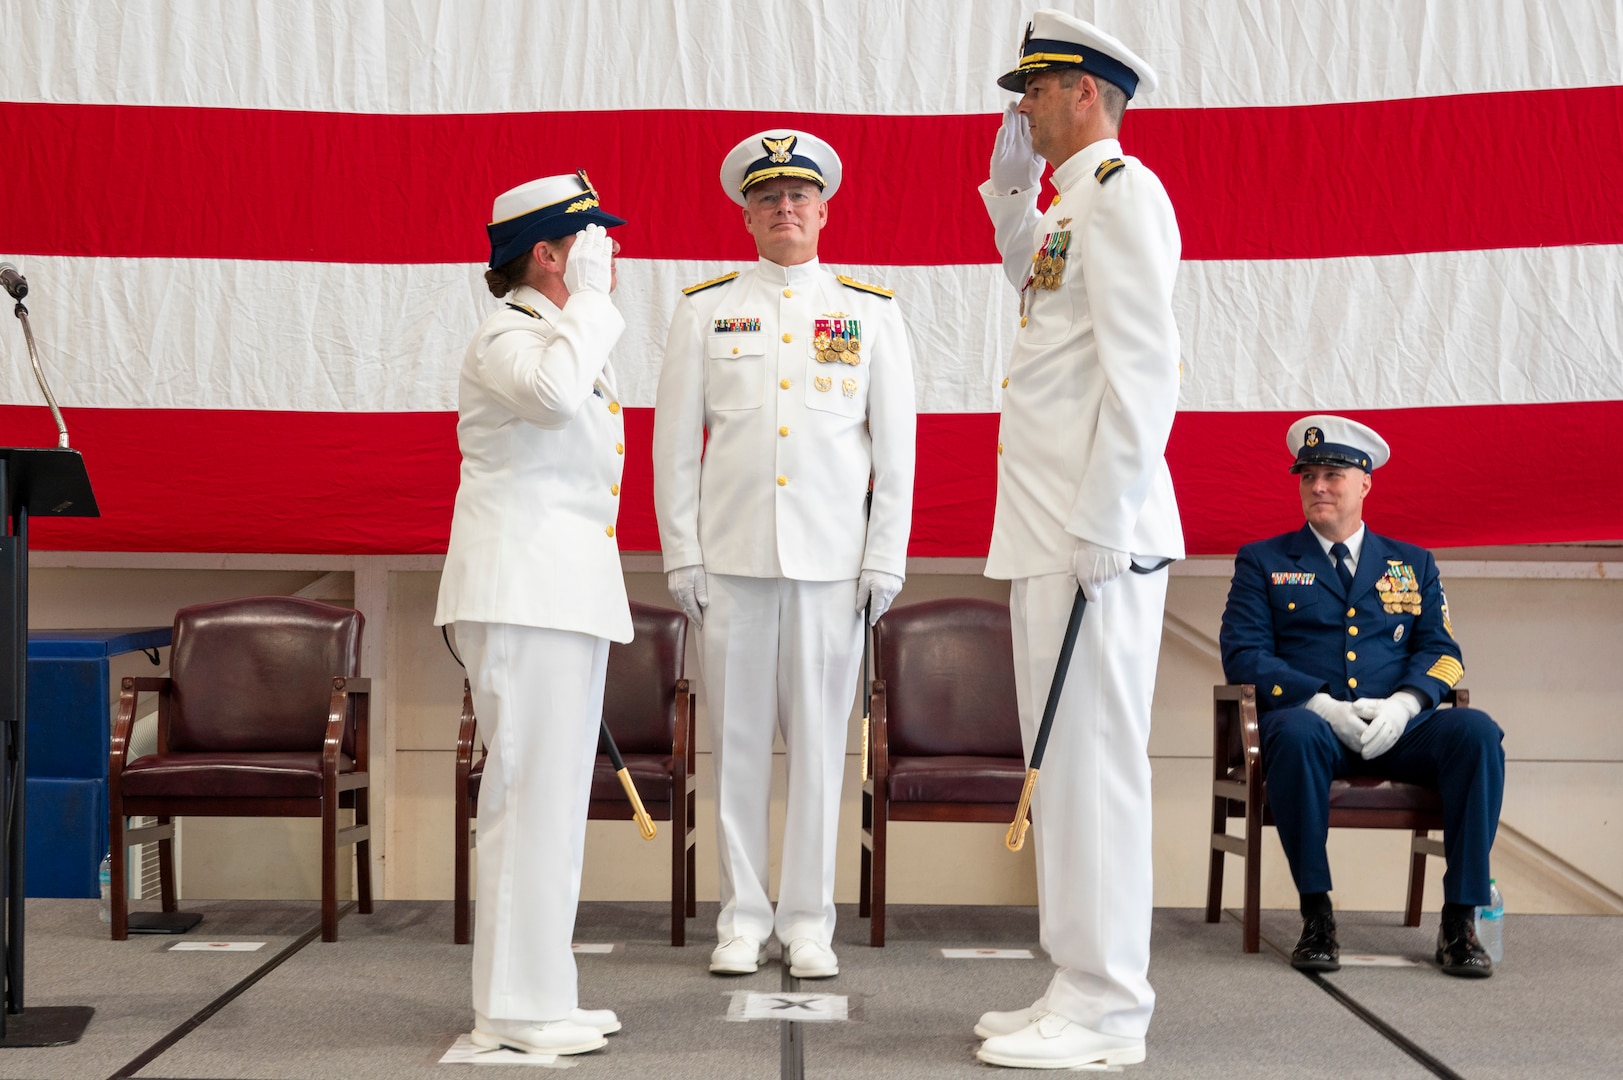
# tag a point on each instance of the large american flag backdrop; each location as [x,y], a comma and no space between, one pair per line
[254,234]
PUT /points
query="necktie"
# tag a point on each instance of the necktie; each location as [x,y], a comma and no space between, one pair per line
[1339,552]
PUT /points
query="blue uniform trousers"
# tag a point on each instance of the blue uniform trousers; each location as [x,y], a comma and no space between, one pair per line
[1455,751]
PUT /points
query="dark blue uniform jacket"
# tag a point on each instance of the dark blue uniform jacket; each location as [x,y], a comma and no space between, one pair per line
[1292,630]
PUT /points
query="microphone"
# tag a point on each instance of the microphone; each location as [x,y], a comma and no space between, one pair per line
[13,282]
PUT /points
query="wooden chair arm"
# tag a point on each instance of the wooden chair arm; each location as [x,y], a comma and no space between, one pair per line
[682,748]
[878,738]
[129,691]
[1235,704]
[1459,697]
[467,731]
[341,712]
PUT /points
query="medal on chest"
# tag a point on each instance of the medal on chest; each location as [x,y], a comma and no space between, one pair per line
[1047,265]
[837,339]
[1399,589]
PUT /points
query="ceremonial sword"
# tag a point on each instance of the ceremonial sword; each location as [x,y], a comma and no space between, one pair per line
[867,692]
[1015,839]
[645,824]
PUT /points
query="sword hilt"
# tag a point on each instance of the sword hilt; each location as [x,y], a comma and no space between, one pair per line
[645,824]
[1015,839]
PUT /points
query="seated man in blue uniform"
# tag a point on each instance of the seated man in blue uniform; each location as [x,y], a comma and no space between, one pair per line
[1346,636]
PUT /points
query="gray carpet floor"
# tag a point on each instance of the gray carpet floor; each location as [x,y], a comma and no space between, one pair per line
[390,996]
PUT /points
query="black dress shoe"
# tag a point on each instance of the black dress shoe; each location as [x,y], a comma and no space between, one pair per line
[1459,952]
[1317,948]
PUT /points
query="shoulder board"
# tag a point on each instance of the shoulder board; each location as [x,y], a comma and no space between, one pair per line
[1107,168]
[527,309]
[863,286]
[712,283]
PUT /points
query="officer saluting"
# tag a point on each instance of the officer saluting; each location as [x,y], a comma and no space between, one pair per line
[802,381]
[1084,492]
[1346,636]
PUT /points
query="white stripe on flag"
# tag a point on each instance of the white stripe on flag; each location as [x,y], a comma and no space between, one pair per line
[842,56]
[1478,327]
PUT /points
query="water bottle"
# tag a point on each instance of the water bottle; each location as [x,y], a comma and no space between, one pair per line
[105,876]
[1490,923]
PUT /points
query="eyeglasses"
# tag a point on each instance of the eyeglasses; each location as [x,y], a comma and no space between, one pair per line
[772,199]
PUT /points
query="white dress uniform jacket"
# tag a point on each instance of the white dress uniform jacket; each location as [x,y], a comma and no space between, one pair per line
[543,446]
[792,441]
[1093,378]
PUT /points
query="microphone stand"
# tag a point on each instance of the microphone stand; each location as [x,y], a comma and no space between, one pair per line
[53,482]
[39,373]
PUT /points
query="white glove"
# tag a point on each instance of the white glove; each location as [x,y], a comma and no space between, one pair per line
[1095,567]
[1342,718]
[690,590]
[878,588]
[589,266]
[1015,165]
[1387,717]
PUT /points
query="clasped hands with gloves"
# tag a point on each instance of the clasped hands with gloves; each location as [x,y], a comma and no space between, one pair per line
[1369,727]
[691,591]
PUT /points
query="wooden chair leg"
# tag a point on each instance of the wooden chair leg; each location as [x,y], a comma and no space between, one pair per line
[1417,878]
[679,885]
[329,867]
[166,867]
[693,883]
[1214,868]
[118,899]
[876,907]
[363,852]
[865,882]
[1251,938]
[459,901]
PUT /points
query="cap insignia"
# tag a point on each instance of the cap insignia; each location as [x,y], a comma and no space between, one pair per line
[778,150]
[1313,436]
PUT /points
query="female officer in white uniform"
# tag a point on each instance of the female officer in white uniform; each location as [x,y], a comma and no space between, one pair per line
[532,584]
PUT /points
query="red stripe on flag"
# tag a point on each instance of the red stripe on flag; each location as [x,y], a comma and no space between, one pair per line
[383,483]
[1469,172]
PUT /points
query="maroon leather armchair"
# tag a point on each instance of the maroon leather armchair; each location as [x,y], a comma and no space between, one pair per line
[262,715]
[944,728]
[650,713]
[1239,790]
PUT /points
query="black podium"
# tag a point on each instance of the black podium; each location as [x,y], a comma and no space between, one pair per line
[33,483]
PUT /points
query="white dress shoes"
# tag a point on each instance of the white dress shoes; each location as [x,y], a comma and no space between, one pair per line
[603,1020]
[540,1037]
[809,960]
[1006,1023]
[1052,1042]
[737,956]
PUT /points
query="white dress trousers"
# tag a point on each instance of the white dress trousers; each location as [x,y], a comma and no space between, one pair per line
[538,694]
[1091,808]
[779,655]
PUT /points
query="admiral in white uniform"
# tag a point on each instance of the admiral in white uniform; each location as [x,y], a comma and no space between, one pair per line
[1084,495]
[786,390]
[532,583]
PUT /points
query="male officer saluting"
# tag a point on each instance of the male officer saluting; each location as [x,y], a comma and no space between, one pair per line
[1084,494]
[1346,636]
[803,382]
